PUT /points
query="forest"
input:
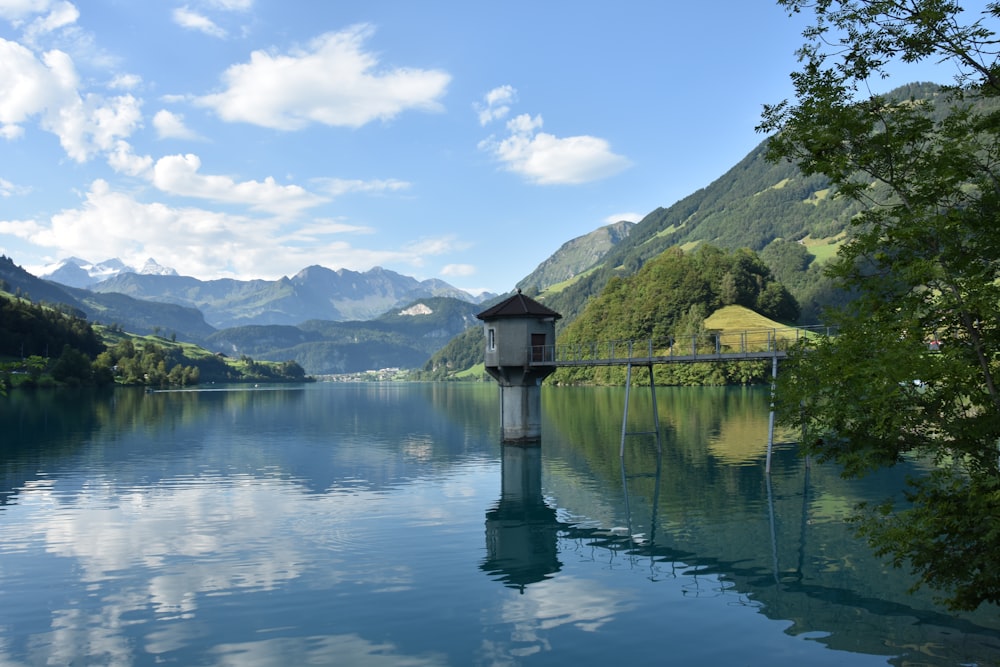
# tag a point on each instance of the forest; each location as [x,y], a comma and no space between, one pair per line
[54,345]
[669,298]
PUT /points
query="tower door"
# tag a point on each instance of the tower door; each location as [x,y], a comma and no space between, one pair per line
[538,347]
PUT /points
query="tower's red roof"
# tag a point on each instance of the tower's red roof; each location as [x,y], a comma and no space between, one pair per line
[518,306]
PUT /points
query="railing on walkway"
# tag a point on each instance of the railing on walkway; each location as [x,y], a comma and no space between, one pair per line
[709,346]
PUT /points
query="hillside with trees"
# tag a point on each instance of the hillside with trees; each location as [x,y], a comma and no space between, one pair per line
[791,220]
[54,345]
[669,299]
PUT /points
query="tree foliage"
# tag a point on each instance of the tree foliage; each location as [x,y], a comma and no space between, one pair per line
[669,298]
[28,328]
[922,263]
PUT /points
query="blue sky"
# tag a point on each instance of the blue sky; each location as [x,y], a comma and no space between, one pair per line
[457,140]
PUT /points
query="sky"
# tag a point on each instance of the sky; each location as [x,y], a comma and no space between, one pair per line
[456,140]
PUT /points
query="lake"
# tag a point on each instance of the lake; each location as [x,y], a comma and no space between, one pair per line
[385,524]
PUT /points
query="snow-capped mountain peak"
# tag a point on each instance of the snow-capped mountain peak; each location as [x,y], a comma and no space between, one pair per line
[77,272]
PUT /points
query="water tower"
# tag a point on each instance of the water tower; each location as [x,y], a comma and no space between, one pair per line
[520,341]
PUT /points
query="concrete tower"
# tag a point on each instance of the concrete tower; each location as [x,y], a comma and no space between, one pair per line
[520,341]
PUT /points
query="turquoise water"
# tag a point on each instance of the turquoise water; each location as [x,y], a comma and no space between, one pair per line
[384,524]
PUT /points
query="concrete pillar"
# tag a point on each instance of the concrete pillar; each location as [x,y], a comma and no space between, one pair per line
[521,413]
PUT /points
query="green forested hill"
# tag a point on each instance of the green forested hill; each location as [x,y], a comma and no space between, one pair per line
[669,298]
[793,222]
[757,205]
[132,314]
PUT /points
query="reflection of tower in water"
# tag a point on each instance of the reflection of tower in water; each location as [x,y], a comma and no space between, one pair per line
[521,530]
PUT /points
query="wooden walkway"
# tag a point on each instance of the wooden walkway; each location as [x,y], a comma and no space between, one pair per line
[709,347]
[749,345]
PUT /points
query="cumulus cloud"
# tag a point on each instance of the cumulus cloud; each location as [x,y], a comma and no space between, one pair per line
[124,160]
[495,104]
[27,86]
[205,243]
[544,159]
[47,89]
[171,126]
[331,82]
[186,17]
[179,175]
[343,186]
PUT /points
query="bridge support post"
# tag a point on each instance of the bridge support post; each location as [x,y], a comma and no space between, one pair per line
[656,414]
[770,419]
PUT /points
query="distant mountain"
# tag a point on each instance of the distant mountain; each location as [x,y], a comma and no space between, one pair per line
[314,293]
[402,338]
[76,272]
[576,256]
[135,315]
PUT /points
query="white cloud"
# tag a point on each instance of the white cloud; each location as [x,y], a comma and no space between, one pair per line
[495,104]
[175,98]
[458,270]
[171,126]
[178,175]
[440,245]
[185,17]
[47,89]
[232,5]
[124,161]
[8,189]
[630,216]
[544,159]
[17,11]
[27,86]
[125,82]
[342,186]
[207,244]
[22,229]
[332,82]
[62,14]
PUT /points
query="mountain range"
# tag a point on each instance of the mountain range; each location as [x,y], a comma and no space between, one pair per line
[329,321]
[343,321]
[315,292]
[76,272]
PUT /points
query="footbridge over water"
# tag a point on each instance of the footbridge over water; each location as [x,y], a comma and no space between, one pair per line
[706,347]
[521,351]
[709,346]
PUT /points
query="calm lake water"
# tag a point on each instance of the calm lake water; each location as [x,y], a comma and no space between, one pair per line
[384,524]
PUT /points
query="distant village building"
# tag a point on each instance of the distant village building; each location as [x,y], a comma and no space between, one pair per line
[520,336]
